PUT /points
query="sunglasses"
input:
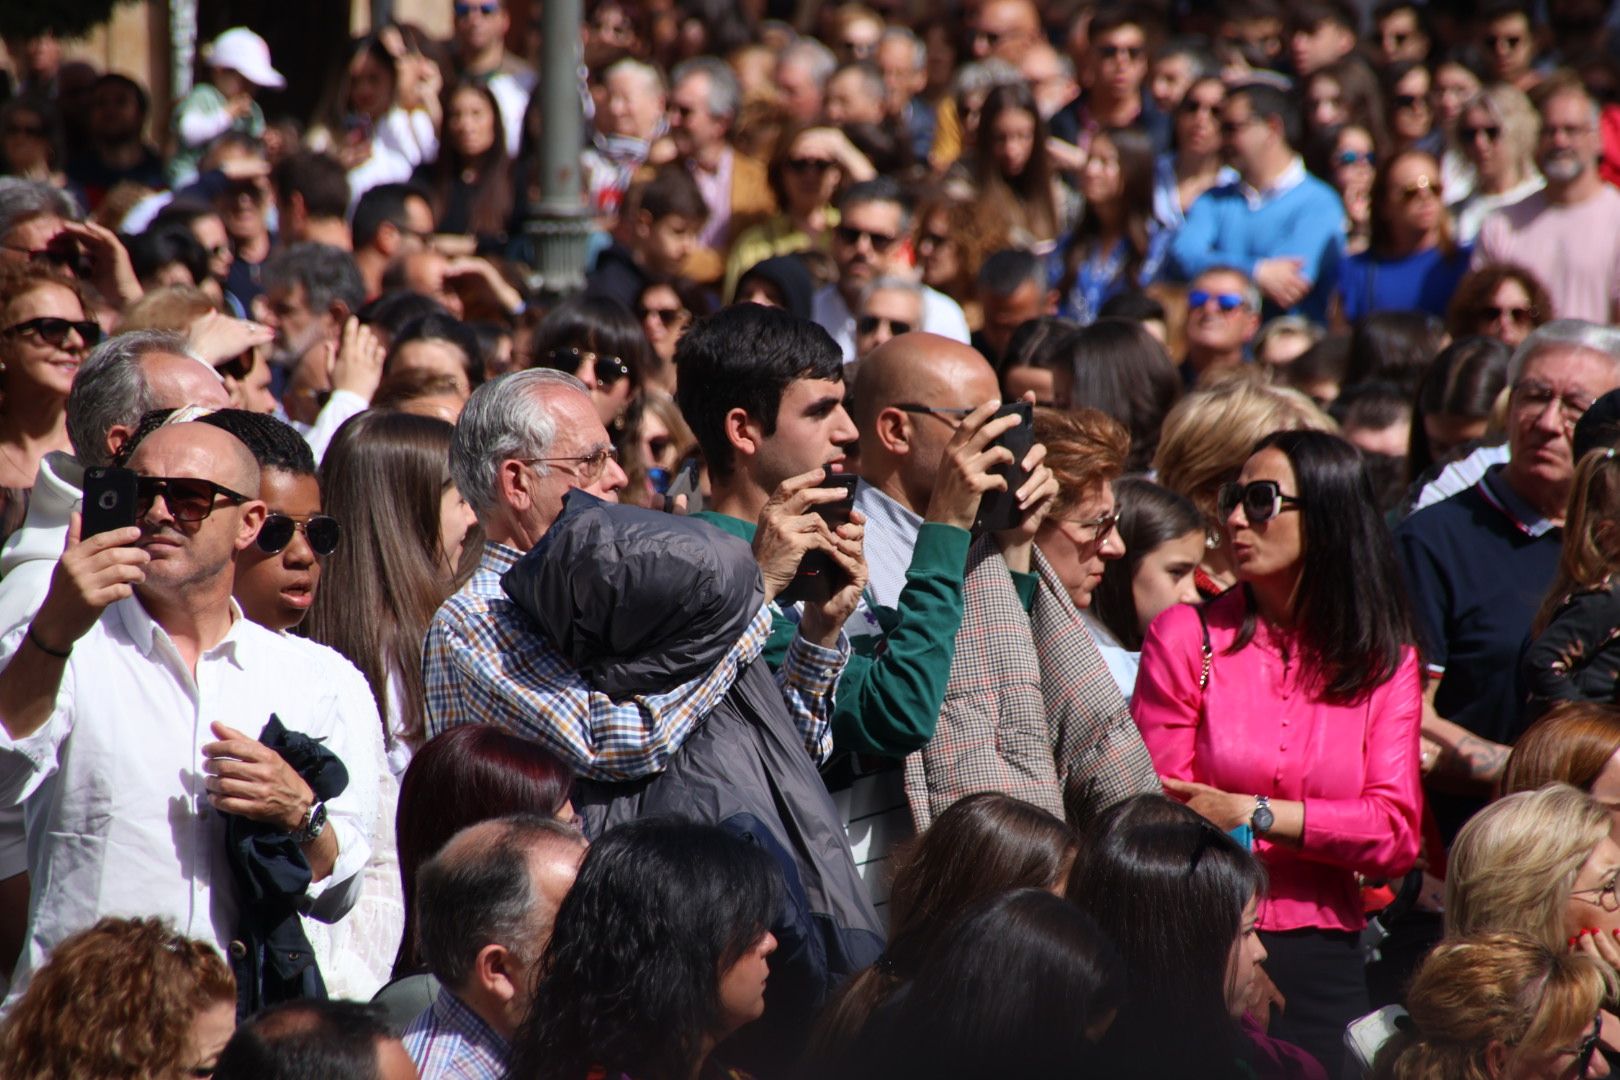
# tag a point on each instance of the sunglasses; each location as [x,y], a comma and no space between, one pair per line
[931,240]
[804,166]
[850,235]
[321,530]
[1520,315]
[188,498]
[463,10]
[237,367]
[1408,101]
[1198,299]
[868,324]
[1589,1048]
[65,254]
[1114,52]
[1469,134]
[1189,107]
[1261,500]
[1346,158]
[607,369]
[1508,41]
[668,316]
[54,332]
[1423,185]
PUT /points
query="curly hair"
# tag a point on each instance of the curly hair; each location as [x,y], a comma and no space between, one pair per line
[115,1001]
[976,234]
[1085,448]
[18,279]
[1466,312]
[630,982]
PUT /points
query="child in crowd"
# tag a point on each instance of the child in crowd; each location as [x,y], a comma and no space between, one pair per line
[238,63]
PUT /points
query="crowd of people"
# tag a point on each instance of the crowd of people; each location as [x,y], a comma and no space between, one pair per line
[1057,538]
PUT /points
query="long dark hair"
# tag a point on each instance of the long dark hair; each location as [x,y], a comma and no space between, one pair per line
[1169,890]
[471,773]
[1149,515]
[1464,380]
[1122,370]
[490,207]
[1136,163]
[630,982]
[1394,347]
[598,324]
[1031,190]
[1351,607]
[383,478]
[1015,989]
[981,846]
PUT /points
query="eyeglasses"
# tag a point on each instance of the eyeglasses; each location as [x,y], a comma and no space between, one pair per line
[188,498]
[1192,107]
[1469,134]
[463,10]
[848,234]
[607,370]
[668,316]
[803,166]
[1261,500]
[1608,894]
[1100,527]
[64,254]
[1347,158]
[929,410]
[1568,131]
[868,324]
[1423,185]
[54,332]
[1536,396]
[1589,1047]
[1407,101]
[1114,52]
[1198,299]
[590,466]
[1521,315]
[321,530]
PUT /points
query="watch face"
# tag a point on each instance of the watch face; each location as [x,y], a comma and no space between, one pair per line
[1262,819]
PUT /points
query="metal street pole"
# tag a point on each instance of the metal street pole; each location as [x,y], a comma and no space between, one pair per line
[559,223]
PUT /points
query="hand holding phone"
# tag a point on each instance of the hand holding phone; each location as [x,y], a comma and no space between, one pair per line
[790,527]
[109,500]
[999,510]
[819,575]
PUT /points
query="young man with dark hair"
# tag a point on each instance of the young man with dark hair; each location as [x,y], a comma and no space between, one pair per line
[312,200]
[1113,71]
[1507,37]
[1277,224]
[1012,290]
[1319,32]
[117,150]
[663,218]
[390,220]
[315,1040]
[1401,32]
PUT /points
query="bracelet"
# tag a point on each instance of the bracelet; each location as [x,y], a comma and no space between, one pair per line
[46,649]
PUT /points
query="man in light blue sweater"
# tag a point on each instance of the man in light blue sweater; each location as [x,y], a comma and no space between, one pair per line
[1280,224]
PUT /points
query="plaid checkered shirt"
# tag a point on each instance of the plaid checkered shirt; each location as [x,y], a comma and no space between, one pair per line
[449,1041]
[484,661]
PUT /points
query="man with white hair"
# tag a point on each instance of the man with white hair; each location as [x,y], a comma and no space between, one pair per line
[903,60]
[703,104]
[889,307]
[855,95]
[1478,564]
[802,71]
[626,128]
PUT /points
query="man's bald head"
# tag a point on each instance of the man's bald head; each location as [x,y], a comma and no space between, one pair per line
[915,368]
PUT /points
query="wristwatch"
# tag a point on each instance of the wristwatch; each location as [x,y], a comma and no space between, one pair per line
[309,830]
[1263,819]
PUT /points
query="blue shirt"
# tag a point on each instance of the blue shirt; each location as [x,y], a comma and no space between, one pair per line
[1234,225]
[1099,277]
[1422,281]
[451,1042]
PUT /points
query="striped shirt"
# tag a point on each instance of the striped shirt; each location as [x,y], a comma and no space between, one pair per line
[485,661]
[449,1041]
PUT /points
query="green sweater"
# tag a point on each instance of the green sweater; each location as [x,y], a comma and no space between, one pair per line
[893,686]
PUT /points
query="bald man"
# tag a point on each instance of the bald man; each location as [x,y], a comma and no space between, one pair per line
[486,904]
[1029,707]
[129,707]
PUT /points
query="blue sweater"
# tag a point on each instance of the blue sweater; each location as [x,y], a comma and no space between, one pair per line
[1306,221]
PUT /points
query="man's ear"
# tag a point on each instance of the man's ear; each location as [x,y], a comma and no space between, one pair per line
[515,483]
[1050,305]
[643,225]
[296,207]
[496,972]
[893,430]
[387,239]
[253,514]
[743,433]
[117,436]
[1496,1056]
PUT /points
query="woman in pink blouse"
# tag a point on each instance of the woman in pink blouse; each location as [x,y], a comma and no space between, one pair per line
[1290,707]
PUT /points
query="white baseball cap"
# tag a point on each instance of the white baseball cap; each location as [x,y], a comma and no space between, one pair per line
[244,52]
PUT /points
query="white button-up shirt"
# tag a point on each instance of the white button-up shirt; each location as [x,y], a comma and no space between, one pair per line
[113,789]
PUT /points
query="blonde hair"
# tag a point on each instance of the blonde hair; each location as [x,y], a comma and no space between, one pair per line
[172,307]
[1514,864]
[1591,551]
[1487,988]
[1516,116]
[1211,432]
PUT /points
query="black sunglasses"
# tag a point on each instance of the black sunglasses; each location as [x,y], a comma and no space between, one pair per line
[1261,500]
[819,166]
[188,498]
[868,324]
[667,316]
[53,331]
[607,369]
[321,530]
[1589,1048]
[850,235]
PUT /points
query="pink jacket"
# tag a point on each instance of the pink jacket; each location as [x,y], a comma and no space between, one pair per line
[1355,767]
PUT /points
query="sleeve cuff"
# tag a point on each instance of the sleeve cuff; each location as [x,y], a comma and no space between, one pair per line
[1026,584]
[940,549]
[816,668]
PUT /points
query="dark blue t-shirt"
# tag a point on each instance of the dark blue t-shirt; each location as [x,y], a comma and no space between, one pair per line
[1423,281]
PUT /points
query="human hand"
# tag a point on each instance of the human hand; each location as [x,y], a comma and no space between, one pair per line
[358,363]
[91,574]
[248,778]
[789,527]
[111,271]
[1222,809]
[834,145]
[1066,157]
[1263,998]
[1281,280]
[217,337]
[964,468]
[1035,498]
[483,277]
[823,622]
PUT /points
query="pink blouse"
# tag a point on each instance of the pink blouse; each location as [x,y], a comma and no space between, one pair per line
[1355,767]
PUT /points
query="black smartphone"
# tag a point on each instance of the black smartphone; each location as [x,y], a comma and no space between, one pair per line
[819,576]
[109,500]
[999,510]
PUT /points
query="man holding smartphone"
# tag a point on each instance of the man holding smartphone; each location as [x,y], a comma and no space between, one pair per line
[123,704]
